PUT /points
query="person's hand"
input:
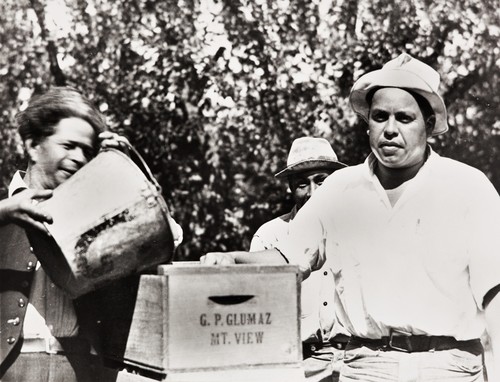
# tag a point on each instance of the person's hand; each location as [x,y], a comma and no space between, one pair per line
[217,258]
[108,139]
[22,209]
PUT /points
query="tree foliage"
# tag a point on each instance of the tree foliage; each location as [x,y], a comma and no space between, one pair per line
[213,92]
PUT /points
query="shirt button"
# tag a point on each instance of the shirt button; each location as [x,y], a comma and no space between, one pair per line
[325,273]
[31,249]
[21,303]
[11,340]
[30,266]
[25,284]
[325,303]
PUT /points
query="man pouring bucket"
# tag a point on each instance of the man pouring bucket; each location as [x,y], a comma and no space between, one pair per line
[41,332]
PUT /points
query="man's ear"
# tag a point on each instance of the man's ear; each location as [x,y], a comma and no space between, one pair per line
[429,125]
[31,149]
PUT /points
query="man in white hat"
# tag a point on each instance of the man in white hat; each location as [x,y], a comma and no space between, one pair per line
[310,161]
[412,238]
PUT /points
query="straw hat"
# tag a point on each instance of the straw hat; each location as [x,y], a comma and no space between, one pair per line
[309,153]
[403,72]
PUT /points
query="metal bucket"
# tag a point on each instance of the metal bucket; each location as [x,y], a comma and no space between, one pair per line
[110,221]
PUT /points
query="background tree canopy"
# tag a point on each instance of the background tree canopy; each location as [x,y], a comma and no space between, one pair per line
[212,92]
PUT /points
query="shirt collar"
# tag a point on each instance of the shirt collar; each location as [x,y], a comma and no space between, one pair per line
[17,183]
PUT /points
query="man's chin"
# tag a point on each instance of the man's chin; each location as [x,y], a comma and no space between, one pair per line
[392,162]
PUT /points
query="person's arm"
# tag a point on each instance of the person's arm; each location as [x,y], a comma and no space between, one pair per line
[269,256]
[264,238]
[483,245]
[257,244]
[22,209]
[304,245]
[492,314]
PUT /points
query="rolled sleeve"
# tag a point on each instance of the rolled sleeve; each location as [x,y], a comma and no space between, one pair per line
[305,243]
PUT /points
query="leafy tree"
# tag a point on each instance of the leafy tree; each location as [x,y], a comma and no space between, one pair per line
[213,92]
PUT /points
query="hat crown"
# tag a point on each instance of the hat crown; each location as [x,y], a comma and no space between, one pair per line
[404,72]
[407,63]
[310,149]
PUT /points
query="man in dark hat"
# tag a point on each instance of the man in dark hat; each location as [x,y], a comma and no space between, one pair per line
[310,161]
[412,238]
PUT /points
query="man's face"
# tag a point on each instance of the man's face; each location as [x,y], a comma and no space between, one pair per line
[63,153]
[397,129]
[305,183]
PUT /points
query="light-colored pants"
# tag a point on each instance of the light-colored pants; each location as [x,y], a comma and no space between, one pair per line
[369,365]
[324,365]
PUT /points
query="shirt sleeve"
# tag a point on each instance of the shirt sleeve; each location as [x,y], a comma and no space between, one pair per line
[305,243]
[484,244]
[257,243]
[267,235]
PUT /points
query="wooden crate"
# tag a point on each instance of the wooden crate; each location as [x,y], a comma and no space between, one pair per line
[201,321]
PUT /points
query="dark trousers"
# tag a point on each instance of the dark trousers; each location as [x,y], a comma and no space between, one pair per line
[43,367]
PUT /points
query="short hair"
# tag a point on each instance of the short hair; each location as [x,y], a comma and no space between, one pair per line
[46,110]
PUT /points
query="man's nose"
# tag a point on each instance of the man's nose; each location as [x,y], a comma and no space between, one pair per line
[390,128]
[311,188]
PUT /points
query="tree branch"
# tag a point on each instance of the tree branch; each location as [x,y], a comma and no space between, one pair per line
[55,69]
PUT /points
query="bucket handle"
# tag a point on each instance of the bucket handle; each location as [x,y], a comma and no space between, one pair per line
[141,163]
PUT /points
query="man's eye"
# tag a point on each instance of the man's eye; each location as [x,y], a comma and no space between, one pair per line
[301,185]
[404,118]
[379,117]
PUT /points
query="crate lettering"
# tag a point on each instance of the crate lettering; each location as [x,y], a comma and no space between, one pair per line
[203,320]
[236,319]
[217,318]
[243,319]
[244,338]
[219,339]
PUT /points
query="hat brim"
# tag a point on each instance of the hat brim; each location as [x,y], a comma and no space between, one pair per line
[309,165]
[402,79]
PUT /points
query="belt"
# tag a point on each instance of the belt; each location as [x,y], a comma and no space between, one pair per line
[53,345]
[309,348]
[416,343]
